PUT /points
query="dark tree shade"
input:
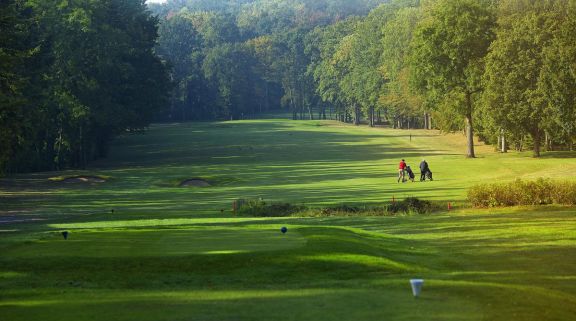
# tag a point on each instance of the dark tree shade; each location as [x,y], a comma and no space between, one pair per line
[91,74]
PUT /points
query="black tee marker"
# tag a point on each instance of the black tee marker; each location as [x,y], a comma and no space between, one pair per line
[65,235]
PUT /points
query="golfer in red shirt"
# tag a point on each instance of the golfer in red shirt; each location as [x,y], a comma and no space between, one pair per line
[401,171]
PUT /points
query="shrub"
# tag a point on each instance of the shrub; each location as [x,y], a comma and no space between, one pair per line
[538,192]
[412,205]
[259,207]
[564,193]
[338,210]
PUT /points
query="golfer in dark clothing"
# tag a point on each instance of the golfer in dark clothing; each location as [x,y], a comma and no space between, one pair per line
[423,170]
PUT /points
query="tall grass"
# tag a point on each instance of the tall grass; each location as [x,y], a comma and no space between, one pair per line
[536,192]
[411,205]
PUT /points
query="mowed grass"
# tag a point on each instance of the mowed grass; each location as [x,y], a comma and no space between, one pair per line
[172,253]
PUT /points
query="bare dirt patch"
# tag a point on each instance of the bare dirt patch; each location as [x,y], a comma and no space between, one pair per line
[195,182]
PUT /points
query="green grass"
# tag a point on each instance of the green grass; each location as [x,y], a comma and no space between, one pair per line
[170,253]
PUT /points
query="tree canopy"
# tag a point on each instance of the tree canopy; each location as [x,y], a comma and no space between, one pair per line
[74,74]
[77,74]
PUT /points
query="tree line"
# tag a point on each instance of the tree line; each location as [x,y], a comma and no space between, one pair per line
[503,70]
[232,59]
[76,73]
[73,75]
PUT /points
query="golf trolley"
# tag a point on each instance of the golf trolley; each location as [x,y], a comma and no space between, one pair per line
[428,176]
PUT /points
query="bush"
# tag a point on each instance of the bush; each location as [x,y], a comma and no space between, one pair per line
[260,208]
[412,205]
[339,210]
[538,192]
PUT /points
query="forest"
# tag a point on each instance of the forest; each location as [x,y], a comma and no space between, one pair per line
[76,73]
[73,75]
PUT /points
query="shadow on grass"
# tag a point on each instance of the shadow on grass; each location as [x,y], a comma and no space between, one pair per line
[559,154]
[267,142]
[329,254]
[339,273]
[346,303]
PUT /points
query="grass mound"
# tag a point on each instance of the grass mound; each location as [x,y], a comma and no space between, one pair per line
[537,192]
[195,182]
[80,179]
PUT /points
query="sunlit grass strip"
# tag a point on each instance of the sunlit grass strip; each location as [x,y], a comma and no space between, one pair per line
[176,296]
[158,243]
[366,260]
[157,222]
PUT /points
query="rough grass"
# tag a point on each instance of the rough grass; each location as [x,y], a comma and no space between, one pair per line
[169,253]
[410,205]
[537,192]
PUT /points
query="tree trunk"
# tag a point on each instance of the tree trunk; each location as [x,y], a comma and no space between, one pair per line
[536,137]
[356,115]
[82,151]
[267,101]
[502,147]
[469,127]
[172,107]
[371,116]
[470,137]
[59,149]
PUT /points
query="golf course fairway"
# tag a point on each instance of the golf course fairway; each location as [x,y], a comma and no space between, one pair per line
[141,247]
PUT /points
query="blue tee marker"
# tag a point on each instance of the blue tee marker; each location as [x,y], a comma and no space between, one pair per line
[65,235]
[283,229]
[416,286]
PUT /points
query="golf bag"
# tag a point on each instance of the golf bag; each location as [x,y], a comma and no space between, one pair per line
[410,173]
[429,175]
